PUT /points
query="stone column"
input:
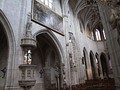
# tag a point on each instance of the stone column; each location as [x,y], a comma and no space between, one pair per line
[28,43]
[100,66]
[47,78]
[112,43]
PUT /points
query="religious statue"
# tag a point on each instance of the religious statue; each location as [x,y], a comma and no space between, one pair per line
[28,26]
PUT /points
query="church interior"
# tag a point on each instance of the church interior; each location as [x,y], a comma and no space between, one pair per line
[59,44]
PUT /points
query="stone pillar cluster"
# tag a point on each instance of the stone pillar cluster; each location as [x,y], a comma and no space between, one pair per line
[28,43]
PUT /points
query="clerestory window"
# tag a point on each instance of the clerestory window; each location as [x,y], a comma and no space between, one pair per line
[48,3]
[104,35]
[97,34]
[92,36]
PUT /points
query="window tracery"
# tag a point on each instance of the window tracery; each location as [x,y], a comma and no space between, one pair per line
[97,34]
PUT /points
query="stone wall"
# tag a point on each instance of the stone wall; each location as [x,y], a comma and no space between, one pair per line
[16,12]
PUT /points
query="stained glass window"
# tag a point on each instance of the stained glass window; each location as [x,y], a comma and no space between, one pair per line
[27,57]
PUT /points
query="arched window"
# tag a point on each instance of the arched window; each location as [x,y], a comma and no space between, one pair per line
[92,36]
[96,60]
[97,34]
[104,35]
[48,3]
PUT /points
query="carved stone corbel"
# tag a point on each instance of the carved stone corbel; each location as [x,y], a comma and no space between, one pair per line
[28,40]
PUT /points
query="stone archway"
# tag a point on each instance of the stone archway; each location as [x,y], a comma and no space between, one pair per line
[47,57]
[93,65]
[104,65]
[98,64]
[85,54]
[3,56]
[7,51]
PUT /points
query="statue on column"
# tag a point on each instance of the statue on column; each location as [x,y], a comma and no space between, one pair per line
[28,42]
[29,26]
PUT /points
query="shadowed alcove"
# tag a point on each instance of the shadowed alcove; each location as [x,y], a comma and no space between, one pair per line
[3,56]
[47,58]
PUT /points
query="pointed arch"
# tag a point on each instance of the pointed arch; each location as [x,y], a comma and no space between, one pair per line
[11,48]
[104,65]
[97,57]
[84,49]
[93,64]
[98,63]
[52,55]
[85,55]
[54,39]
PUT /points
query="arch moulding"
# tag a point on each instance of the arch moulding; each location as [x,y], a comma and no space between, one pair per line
[11,55]
[56,42]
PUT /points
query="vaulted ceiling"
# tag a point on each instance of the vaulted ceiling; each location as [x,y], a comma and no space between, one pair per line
[87,12]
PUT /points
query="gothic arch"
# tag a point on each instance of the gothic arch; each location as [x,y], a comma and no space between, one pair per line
[55,40]
[98,64]
[104,65]
[11,48]
[93,65]
[97,57]
[53,57]
[84,49]
[85,55]
[80,6]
